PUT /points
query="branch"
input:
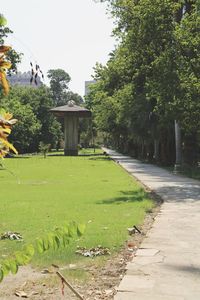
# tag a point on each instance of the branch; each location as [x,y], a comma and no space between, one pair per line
[69,285]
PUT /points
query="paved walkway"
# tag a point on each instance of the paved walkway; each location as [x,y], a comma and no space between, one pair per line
[167,266]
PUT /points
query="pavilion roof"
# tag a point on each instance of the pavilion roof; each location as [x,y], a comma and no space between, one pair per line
[71,110]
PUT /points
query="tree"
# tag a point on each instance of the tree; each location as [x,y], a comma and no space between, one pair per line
[59,80]
[69,95]
[36,123]
[27,128]
[61,94]
[151,79]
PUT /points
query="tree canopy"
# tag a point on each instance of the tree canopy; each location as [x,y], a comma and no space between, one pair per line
[151,78]
[35,122]
[59,81]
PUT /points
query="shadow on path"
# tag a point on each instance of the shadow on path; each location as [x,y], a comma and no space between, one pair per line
[179,193]
[185,268]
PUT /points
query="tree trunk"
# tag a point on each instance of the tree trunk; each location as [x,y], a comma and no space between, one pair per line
[156,150]
[178,161]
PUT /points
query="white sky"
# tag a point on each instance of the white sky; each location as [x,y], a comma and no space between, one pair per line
[69,34]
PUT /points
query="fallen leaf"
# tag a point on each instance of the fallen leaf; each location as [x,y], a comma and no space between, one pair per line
[109,292]
[21,294]
[131,244]
[11,236]
[34,293]
[92,252]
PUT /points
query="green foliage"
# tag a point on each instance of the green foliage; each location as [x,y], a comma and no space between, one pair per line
[13,56]
[58,238]
[44,148]
[27,127]
[69,95]
[3,20]
[59,80]
[152,77]
[80,229]
[36,124]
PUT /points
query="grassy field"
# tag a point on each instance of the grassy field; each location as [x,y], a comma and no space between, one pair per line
[45,193]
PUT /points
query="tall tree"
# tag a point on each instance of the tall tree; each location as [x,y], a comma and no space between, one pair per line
[151,79]
[61,94]
[59,80]
[31,106]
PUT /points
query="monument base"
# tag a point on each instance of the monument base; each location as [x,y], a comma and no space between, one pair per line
[68,152]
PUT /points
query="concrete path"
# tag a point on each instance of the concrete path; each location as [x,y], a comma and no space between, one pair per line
[167,266]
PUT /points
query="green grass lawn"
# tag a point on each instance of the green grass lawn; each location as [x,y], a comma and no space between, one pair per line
[45,193]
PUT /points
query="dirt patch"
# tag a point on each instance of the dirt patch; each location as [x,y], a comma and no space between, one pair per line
[106,279]
[101,282]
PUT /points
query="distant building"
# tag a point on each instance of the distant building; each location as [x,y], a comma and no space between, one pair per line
[23,79]
[87,86]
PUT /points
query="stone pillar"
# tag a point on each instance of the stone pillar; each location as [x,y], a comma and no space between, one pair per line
[71,135]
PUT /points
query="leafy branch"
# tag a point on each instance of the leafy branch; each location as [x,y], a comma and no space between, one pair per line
[6,123]
[6,120]
[60,237]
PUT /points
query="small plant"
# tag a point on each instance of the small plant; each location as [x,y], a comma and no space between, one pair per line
[44,148]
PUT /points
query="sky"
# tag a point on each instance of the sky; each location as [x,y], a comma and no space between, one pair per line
[69,34]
